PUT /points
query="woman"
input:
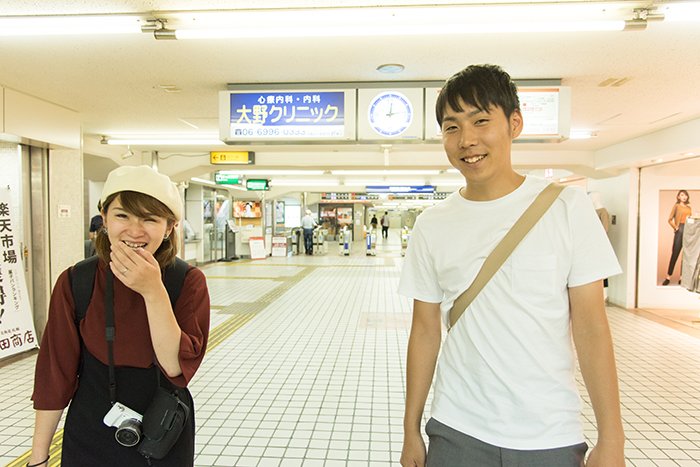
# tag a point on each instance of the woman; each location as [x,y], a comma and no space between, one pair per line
[679,213]
[153,340]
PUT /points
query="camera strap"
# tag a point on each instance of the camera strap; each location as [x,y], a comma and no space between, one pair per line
[109,334]
[82,280]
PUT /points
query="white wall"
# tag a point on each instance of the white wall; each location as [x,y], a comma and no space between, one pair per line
[194,213]
[66,213]
[674,176]
[32,118]
[619,196]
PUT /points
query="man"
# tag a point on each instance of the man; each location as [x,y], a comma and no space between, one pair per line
[505,392]
[95,223]
[308,223]
[95,226]
[373,222]
[385,225]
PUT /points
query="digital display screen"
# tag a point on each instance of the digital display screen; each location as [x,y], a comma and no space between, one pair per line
[247,209]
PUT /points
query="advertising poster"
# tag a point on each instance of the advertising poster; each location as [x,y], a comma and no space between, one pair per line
[17,332]
[257,248]
[279,246]
[247,209]
[674,206]
[344,215]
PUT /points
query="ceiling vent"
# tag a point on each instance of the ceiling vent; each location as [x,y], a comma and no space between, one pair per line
[613,82]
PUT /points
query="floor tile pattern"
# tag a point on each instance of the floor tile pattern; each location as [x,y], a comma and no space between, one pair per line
[306,368]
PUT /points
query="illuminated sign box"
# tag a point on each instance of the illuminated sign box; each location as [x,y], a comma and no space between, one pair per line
[283,116]
[222,178]
[231,157]
[257,184]
[546,114]
[400,189]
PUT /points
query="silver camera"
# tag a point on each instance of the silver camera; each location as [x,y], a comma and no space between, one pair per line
[127,422]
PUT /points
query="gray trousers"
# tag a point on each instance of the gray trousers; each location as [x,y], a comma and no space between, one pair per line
[451,448]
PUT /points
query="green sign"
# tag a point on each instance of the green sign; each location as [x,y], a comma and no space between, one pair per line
[226,179]
[257,184]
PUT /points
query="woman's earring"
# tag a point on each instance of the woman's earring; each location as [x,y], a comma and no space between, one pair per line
[104,230]
[167,237]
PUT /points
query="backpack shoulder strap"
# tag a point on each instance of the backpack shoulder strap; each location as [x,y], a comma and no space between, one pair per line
[174,277]
[82,279]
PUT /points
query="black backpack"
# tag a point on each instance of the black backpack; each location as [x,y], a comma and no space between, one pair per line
[82,280]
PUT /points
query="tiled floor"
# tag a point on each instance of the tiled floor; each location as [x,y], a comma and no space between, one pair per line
[314,376]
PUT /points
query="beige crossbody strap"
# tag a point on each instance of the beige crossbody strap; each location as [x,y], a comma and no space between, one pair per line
[506,246]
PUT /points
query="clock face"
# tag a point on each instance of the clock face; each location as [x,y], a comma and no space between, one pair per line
[390,113]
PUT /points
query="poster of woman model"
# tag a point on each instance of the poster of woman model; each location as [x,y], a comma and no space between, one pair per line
[674,207]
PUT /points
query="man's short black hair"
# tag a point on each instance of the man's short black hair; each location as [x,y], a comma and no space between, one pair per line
[480,86]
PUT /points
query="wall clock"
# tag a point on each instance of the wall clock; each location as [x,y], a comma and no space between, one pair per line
[390,113]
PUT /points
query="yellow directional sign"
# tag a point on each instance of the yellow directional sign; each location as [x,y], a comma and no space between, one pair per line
[231,157]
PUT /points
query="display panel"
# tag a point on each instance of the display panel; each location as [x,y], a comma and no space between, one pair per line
[546,114]
[247,209]
[287,115]
[400,189]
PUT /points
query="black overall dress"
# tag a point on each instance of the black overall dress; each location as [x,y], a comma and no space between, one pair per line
[88,442]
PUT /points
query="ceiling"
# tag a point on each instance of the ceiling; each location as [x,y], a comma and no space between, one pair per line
[115,82]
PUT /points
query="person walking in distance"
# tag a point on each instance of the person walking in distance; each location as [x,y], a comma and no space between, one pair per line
[385,225]
[505,391]
[308,223]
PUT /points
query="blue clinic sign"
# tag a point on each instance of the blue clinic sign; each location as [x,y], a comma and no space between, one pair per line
[287,115]
[400,189]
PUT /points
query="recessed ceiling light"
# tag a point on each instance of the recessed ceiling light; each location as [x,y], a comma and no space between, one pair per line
[657,161]
[390,68]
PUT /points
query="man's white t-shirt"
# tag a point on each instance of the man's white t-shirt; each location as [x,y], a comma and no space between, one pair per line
[506,370]
[308,222]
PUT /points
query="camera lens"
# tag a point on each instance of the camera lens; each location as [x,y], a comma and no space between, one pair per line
[129,433]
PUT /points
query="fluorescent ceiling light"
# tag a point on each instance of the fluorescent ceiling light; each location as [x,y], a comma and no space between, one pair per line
[386,172]
[398,21]
[164,141]
[392,182]
[316,182]
[201,180]
[69,25]
[581,134]
[681,11]
[272,172]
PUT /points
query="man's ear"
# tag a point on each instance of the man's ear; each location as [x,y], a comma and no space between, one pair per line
[516,123]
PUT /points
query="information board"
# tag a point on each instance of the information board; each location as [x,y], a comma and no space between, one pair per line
[279,246]
[287,115]
[257,248]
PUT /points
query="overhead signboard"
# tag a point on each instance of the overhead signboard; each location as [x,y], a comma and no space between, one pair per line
[257,184]
[231,157]
[546,114]
[223,178]
[400,189]
[287,115]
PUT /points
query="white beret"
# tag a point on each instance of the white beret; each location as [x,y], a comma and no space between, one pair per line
[144,179]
